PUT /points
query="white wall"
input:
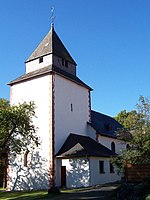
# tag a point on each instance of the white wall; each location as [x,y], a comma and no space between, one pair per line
[37,90]
[77,172]
[35,65]
[49,60]
[84,172]
[67,121]
[106,141]
[96,177]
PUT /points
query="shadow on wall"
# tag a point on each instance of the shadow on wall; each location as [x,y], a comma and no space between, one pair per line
[33,177]
[78,174]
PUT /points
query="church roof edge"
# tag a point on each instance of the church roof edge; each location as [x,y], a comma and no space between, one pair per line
[84,146]
[48,69]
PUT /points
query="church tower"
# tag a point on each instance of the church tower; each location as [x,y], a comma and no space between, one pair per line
[62,107]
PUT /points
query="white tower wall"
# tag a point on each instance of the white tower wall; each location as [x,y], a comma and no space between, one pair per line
[36,175]
[72,109]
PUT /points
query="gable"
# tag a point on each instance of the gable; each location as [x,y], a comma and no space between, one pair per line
[81,146]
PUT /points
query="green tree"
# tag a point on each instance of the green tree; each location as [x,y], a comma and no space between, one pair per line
[128,119]
[137,122]
[17,131]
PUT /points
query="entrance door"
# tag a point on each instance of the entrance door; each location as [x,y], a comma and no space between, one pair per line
[63,176]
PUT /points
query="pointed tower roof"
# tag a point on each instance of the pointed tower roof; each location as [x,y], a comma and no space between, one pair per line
[51,44]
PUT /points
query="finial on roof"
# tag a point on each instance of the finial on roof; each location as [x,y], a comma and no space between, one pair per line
[52,17]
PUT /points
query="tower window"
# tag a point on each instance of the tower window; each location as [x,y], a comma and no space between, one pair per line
[101,167]
[40,59]
[63,62]
[71,107]
[66,63]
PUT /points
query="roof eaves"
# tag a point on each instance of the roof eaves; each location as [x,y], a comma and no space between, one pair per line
[94,150]
[37,57]
[31,75]
[46,70]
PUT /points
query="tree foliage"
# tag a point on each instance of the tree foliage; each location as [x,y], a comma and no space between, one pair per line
[137,122]
[17,131]
[16,125]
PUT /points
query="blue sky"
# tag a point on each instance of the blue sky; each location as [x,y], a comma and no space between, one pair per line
[108,39]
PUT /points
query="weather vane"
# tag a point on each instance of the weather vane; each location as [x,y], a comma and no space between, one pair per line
[52,16]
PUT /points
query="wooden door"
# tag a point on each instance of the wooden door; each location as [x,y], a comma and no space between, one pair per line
[63,176]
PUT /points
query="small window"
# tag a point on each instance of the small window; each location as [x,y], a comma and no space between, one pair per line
[66,63]
[127,146]
[40,59]
[26,158]
[63,62]
[101,167]
[71,107]
[113,148]
[111,168]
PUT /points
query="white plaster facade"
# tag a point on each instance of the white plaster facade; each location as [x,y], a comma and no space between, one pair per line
[71,109]
[35,65]
[84,172]
[37,90]
[71,113]
[67,94]
[107,141]
[119,144]
[100,178]
[78,172]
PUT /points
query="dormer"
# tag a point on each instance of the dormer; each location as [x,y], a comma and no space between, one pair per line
[51,51]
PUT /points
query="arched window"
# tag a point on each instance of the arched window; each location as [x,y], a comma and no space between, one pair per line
[26,158]
[113,148]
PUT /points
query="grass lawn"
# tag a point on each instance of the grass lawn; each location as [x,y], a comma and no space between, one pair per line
[32,195]
[43,195]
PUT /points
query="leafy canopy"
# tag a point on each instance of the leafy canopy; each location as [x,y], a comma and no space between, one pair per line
[16,126]
[137,122]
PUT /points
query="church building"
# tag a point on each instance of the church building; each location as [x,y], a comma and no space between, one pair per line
[76,143]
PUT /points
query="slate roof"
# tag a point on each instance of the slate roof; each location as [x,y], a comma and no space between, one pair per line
[51,44]
[46,70]
[81,146]
[104,124]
